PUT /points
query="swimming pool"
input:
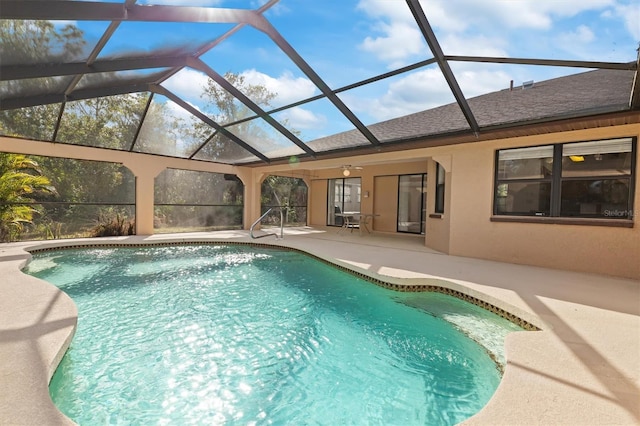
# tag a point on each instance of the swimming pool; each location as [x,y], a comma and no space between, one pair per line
[235,334]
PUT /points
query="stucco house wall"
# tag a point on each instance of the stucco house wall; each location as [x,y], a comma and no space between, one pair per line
[600,249]
[466,227]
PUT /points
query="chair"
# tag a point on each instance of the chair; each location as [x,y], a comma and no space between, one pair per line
[338,219]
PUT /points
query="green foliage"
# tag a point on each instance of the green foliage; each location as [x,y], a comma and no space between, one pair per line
[227,109]
[287,192]
[176,186]
[83,181]
[36,122]
[86,190]
[283,190]
[108,122]
[197,199]
[164,132]
[20,182]
[111,224]
[31,41]
[24,41]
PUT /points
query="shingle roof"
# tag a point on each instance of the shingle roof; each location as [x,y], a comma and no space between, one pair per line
[584,94]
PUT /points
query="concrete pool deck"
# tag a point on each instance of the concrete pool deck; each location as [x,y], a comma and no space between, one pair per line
[583,368]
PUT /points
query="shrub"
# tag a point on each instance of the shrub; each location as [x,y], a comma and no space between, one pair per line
[113,226]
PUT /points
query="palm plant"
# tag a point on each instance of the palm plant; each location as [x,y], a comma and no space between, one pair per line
[20,181]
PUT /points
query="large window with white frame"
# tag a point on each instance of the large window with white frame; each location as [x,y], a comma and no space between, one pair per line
[591,179]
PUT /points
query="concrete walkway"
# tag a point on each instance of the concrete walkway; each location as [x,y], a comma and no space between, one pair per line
[583,368]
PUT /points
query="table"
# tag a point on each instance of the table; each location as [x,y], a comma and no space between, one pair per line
[363,221]
[366,218]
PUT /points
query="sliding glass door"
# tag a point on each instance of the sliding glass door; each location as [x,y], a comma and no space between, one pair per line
[412,203]
[343,197]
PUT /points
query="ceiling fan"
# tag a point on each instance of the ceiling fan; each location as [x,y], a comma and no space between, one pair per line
[346,169]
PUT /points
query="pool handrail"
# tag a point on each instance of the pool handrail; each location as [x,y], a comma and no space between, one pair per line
[278,237]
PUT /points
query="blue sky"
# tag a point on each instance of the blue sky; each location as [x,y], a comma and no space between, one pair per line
[350,40]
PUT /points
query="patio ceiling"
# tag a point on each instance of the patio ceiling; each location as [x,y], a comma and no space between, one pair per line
[317,84]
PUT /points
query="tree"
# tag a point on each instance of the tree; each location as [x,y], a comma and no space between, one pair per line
[287,192]
[228,110]
[199,199]
[163,132]
[276,190]
[109,122]
[20,181]
[28,41]
[84,189]
[35,42]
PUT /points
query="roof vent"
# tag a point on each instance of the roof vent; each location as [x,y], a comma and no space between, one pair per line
[527,84]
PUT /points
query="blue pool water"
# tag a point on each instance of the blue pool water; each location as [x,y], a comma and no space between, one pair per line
[208,334]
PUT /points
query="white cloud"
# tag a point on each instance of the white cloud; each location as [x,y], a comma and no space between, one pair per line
[630,14]
[454,44]
[581,35]
[398,36]
[427,89]
[417,92]
[474,80]
[475,27]
[523,14]
[188,84]
[302,119]
[400,40]
[385,9]
[178,112]
[287,88]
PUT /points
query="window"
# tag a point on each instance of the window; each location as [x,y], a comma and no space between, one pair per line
[524,181]
[439,202]
[585,179]
[411,202]
[344,196]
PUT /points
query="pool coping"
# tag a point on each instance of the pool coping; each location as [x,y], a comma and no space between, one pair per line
[44,342]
